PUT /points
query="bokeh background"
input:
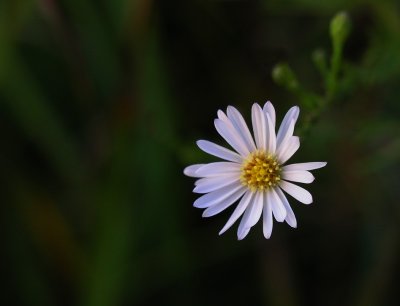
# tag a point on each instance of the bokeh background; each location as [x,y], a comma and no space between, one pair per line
[100,105]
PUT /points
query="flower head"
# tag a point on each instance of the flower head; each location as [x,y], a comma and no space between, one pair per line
[254,173]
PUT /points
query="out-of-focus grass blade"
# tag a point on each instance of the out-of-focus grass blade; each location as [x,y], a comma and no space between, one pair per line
[24,101]
[39,238]
[32,286]
[117,12]
[27,278]
[157,156]
[39,121]
[98,45]
[107,271]
[142,188]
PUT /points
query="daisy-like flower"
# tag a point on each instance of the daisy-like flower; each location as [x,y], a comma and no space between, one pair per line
[256,174]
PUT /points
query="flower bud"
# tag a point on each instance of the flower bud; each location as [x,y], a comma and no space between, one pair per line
[340,27]
[320,60]
[283,75]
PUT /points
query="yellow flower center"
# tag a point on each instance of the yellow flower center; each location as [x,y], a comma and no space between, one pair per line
[260,171]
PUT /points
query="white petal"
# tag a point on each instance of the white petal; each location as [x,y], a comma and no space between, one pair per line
[304,166]
[221,115]
[271,136]
[218,151]
[243,233]
[240,208]
[267,218]
[217,208]
[259,126]
[228,132]
[285,140]
[277,206]
[217,196]
[290,217]
[292,114]
[256,209]
[241,126]
[297,192]
[191,170]
[251,215]
[242,225]
[292,147]
[299,176]
[218,168]
[209,184]
[269,108]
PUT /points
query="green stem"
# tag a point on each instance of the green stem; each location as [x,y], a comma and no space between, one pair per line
[333,75]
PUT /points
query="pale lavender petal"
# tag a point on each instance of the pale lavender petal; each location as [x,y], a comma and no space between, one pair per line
[299,176]
[209,184]
[191,170]
[219,168]
[240,208]
[259,126]
[290,217]
[244,226]
[292,114]
[271,136]
[228,132]
[297,192]
[243,222]
[221,115]
[285,140]
[217,196]
[304,166]
[243,233]
[251,215]
[267,217]
[217,208]
[256,209]
[241,127]
[293,146]
[269,108]
[219,151]
[278,208]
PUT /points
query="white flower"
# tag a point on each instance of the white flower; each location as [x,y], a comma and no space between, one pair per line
[256,173]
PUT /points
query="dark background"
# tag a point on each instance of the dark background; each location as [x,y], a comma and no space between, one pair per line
[100,106]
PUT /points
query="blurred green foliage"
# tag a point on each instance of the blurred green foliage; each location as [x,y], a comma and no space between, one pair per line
[101,103]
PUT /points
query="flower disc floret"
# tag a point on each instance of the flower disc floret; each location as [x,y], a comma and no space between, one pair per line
[260,171]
